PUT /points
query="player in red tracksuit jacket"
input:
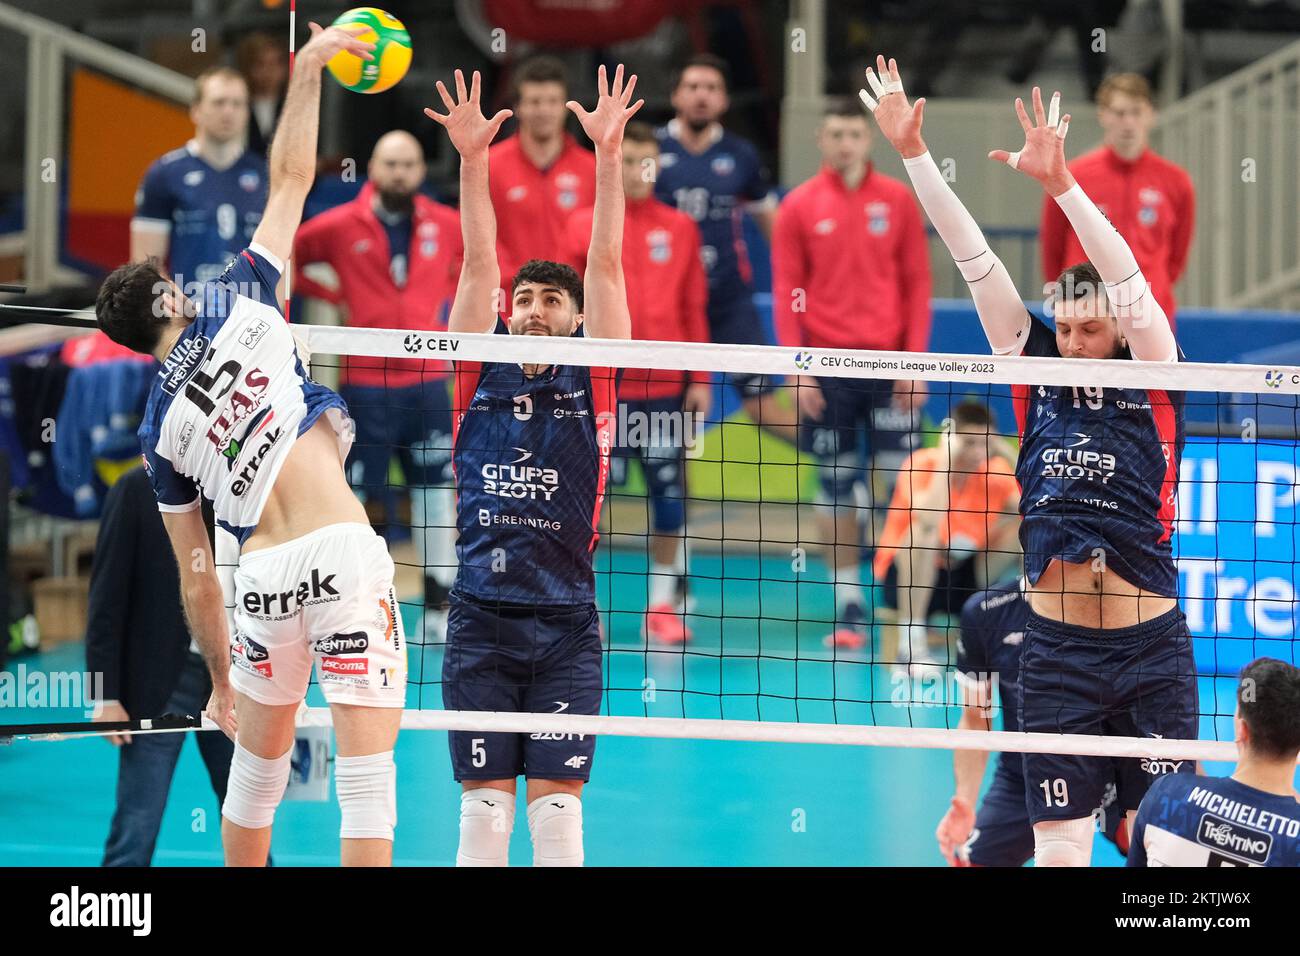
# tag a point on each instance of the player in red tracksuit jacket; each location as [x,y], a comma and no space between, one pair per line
[667,295]
[851,269]
[396,255]
[541,175]
[1149,200]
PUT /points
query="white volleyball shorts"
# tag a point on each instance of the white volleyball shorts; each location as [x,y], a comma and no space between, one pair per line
[325,598]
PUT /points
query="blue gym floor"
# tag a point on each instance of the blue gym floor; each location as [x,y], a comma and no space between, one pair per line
[651,802]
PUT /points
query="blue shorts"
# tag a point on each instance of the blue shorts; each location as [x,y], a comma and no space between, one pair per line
[857,423]
[1002,835]
[733,320]
[663,461]
[515,659]
[1128,682]
[413,423]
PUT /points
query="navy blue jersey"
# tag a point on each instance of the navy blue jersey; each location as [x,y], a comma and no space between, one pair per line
[531,457]
[210,215]
[1098,474]
[711,188]
[988,653]
[1188,820]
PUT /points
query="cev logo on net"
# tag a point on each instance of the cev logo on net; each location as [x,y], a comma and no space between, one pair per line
[803,361]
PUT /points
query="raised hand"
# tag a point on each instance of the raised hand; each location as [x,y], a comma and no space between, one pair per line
[324,44]
[470,132]
[605,123]
[899,121]
[1043,155]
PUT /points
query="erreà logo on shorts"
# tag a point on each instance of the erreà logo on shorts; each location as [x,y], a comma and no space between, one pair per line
[1233,839]
[319,589]
[180,364]
[77,909]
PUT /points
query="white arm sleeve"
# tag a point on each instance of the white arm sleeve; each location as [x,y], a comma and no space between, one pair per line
[1140,316]
[1001,311]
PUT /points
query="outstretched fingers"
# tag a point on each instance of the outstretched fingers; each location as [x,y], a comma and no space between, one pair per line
[1022,115]
[1040,118]
[461,94]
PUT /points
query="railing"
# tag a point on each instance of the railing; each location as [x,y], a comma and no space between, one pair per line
[49,46]
[1240,140]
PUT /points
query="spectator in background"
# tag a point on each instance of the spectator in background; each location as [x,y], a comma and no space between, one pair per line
[136,637]
[951,528]
[540,175]
[264,62]
[666,296]
[850,269]
[1148,199]
[394,256]
[711,175]
[199,205]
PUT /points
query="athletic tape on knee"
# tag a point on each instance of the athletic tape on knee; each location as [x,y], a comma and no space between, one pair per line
[367,788]
[487,818]
[1063,842]
[555,824]
[255,788]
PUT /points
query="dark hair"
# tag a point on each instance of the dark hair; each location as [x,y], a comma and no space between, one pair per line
[201,81]
[638,132]
[1077,282]
[1268,697]
[973,414]
[711,60]
[541,69]
[127,307]
[545,272]
[843,106]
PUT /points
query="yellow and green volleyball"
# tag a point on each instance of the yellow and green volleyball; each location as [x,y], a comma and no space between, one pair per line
[392,53]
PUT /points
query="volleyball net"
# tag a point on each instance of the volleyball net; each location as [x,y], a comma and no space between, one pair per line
[762,580]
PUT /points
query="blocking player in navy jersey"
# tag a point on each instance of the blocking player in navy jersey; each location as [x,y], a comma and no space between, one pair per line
[1106,649]
[988,659]
[232,416]
[1251,818]
[198,205]
[711,175]
[531,455]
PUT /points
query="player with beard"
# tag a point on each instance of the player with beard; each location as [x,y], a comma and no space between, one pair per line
[531,453]
[1106,647]
[389,259]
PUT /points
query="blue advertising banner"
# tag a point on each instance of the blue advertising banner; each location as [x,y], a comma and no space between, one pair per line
[1235,544]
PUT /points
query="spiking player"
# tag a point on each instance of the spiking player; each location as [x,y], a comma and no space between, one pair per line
[233,416]
[1106,648]
[1249,819]
[531,454]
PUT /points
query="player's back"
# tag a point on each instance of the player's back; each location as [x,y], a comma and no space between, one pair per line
[1190,820]
[231,402]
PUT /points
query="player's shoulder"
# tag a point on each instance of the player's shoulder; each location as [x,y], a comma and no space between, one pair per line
[176,158]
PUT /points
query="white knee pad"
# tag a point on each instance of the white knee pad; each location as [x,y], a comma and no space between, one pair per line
[255,787]
[1063,842]
[555,824]
[367,788]
[487,818]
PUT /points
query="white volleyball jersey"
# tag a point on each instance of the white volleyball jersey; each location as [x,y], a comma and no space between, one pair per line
[231,399]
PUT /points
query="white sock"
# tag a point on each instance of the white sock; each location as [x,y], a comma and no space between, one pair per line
[848,590]
[664,578]
[433,530]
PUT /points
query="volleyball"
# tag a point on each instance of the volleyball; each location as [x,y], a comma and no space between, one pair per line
[392,54]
